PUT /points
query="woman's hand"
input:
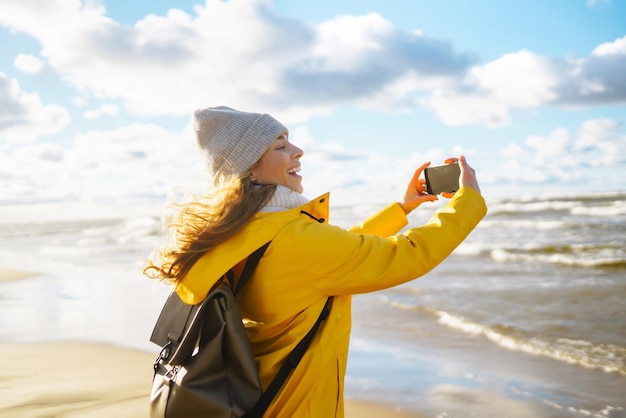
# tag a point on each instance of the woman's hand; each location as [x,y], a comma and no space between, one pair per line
[467,177]
[416,193]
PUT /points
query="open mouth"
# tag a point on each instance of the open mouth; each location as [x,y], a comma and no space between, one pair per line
[294,171]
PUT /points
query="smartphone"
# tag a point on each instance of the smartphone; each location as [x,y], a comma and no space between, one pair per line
[442,179]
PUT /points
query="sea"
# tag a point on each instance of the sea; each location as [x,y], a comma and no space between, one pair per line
[527,318]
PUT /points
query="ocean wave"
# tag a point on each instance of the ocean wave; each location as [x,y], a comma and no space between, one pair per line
[584,255]
[122,240]
[525,224]
[609,358]
[138,229]
[74,251]
[611,210]
[473,249]
[517,207]
[609,205]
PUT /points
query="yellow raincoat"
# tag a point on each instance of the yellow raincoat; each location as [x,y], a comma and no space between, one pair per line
[308,261]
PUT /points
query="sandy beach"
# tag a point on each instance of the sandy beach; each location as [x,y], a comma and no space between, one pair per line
[76,379]
[91,380]
[8,275]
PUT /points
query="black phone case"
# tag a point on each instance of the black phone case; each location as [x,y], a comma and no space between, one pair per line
[441,179]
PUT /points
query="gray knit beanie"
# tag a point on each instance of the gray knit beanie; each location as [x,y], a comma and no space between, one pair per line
[233,141]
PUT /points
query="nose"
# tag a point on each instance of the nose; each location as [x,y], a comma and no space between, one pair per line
[297,152]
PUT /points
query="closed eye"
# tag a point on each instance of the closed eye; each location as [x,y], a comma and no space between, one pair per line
[281,142]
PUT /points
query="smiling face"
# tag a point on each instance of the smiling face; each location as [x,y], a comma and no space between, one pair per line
[280,164]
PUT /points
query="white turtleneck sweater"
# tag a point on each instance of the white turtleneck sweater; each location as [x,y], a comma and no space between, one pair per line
[284,198]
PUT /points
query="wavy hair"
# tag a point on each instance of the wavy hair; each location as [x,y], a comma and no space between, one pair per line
[203,222]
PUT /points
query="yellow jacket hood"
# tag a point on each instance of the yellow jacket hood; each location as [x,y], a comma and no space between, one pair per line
[264,226]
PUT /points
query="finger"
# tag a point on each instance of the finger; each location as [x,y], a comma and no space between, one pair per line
[447,195]
[451,160]
[418,172]
[428,198]
[420,186]
[463,164]
[423,166]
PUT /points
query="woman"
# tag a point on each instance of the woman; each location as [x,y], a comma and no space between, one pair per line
[256,197]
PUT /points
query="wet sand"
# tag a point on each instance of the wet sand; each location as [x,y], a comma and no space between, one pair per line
[92,380]
[8,275]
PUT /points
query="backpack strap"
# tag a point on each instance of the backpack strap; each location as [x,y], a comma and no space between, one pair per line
[290,363]
[294,357]
[175,315]
[248,269]
[292,360]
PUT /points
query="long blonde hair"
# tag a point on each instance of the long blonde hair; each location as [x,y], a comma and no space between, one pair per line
[202,223]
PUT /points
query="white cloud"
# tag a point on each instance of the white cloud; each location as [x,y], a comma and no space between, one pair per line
[467,109]
[617,47]
[524,80]
[171,64]
[22,115]
[39,153]
[134,161]
[555,144]
[595,131]
[520,79]
[80,101]
[598,79]
[134,147]
[566,157]
[174,63]
[604,141]
[28,64]
[513,150]
[145,160]
[327,152]
[347,41]
[103,110]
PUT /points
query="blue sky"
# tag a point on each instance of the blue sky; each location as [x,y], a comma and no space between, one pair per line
[96,95]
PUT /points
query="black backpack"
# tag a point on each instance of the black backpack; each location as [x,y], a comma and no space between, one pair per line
[206,367]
